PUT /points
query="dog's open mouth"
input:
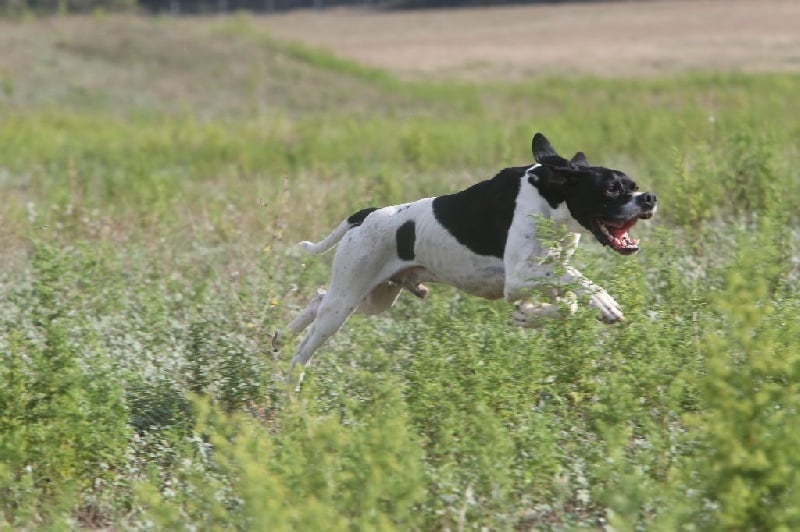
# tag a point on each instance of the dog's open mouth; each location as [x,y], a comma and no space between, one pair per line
[615,234]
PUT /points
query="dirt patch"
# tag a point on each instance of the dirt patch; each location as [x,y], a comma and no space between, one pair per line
[607,39]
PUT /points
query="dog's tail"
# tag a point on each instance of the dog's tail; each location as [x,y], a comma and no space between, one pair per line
[329,241]
[337,234]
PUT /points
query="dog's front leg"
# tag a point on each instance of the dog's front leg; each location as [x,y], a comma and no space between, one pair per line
[535,315]
[598,297]
[549,274]
[532,315]
[537,277]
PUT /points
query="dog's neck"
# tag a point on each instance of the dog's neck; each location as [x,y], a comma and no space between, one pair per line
[553,203]
[561,213]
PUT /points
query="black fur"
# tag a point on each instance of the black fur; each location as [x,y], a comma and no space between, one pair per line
[358,218]
[480,216]
[553,193]
[406,237]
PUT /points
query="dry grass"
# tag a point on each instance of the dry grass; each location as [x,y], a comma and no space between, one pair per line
[217,66]
[201,66]
[608,39]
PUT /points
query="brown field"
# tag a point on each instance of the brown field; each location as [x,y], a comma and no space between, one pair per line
[607,39]
[221,65]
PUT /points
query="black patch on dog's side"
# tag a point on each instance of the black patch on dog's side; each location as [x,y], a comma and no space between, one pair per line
[357,218]
[406,236]
[479,217]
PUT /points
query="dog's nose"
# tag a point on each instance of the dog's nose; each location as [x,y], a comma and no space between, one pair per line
[648,200]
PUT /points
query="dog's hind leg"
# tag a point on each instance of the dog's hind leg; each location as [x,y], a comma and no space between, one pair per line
[308,314]
[333,311]
[379,299]
[359,266]
[303,320]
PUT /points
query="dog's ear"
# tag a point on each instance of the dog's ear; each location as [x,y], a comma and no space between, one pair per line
[544,153]
[556,177]
[579,160]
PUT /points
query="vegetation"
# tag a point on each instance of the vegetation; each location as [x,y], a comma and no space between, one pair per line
[152,199]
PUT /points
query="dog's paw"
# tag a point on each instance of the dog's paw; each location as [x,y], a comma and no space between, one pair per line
[610,311]
[277,341]
[525,314]
[534,315]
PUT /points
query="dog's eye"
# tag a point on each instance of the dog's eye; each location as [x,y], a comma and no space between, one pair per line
[613,190]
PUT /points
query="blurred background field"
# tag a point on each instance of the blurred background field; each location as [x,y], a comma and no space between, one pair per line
[156,172]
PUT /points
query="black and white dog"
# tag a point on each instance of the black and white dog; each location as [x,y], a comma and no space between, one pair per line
[482,240]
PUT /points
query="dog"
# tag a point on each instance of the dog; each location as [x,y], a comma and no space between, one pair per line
[482,240]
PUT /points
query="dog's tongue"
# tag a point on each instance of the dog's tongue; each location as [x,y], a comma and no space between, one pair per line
[618,232]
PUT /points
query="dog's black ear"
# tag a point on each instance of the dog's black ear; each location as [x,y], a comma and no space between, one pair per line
[555,177]
[579,160]
[544,153]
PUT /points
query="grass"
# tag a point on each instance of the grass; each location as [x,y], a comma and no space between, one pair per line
[148,235]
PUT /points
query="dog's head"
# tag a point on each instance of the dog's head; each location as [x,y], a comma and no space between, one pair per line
[606,202]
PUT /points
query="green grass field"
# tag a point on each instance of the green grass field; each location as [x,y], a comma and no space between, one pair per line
[156,175]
